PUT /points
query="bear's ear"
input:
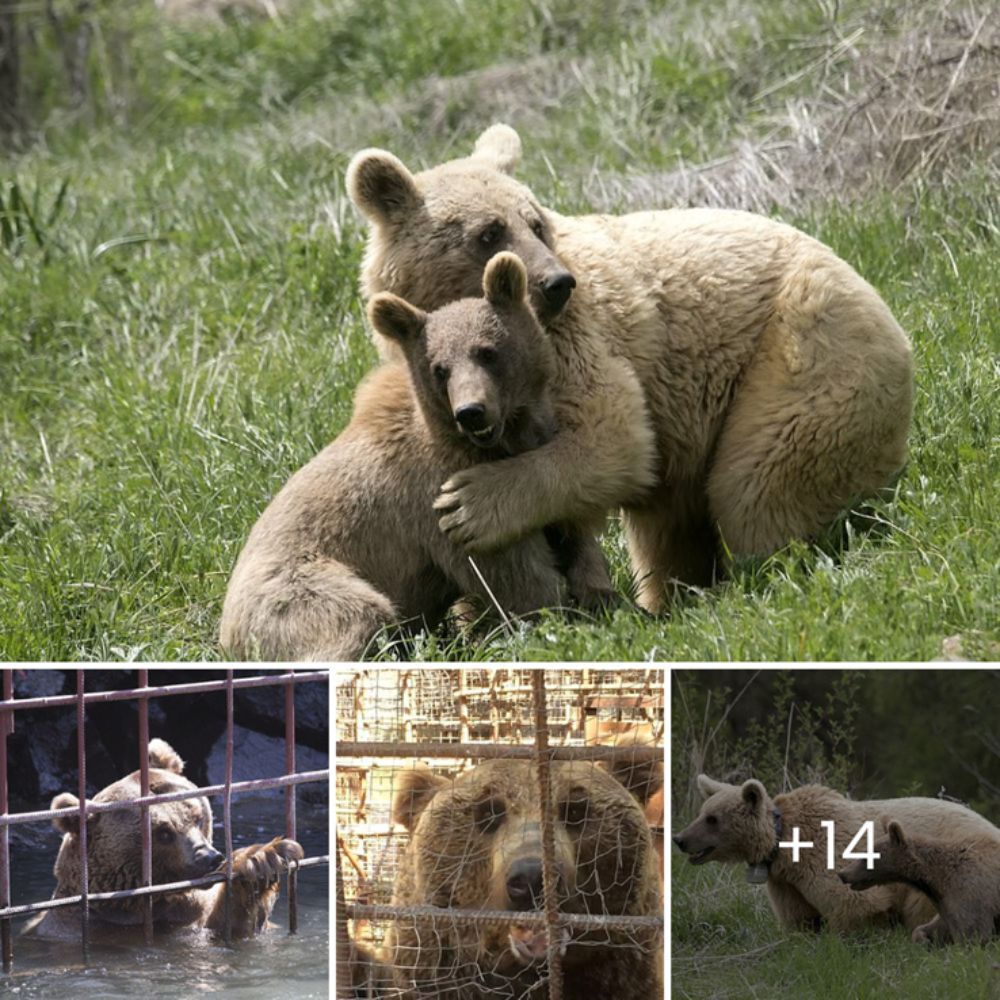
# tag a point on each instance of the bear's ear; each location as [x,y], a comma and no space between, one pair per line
[754,794]
[415,787]
[709,786]
[66,824]
[395,318]
[639,768]
[505,281]
[381,186]
[500,146]
[163,755]
[896,836]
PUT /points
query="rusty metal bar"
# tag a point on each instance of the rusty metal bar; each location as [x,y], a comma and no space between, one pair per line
[489,751]
[549,876]
[227,801]
[81,752]
[144,818]
[256,784]
[652,926]
[6,729]
[154,890]
[198,687]
[342,948]
[292,882]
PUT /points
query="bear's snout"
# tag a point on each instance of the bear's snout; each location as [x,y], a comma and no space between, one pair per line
[471,416]
[524,884]
[206,859]
[557,288]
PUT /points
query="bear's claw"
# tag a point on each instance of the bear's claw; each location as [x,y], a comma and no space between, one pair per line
[468,512]
[265,862]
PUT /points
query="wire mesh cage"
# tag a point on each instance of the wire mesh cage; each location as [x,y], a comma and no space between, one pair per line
[499,832]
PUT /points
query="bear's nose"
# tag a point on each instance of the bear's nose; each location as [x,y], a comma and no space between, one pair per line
[524,884]
[556,288]
[471,416]
[679,841]
[207,859]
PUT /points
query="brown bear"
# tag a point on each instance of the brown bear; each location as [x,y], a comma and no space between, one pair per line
[742,823]
[720,374]
[182,850]
[476,843]
[351,543]
[959,874]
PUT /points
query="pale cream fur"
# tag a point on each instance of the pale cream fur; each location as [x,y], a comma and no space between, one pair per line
[737,823]
[718,373]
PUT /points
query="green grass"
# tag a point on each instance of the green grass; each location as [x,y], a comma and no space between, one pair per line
[181,326]
[727,945]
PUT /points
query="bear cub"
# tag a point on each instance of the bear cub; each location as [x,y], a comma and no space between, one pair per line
[351,543]
[960,876]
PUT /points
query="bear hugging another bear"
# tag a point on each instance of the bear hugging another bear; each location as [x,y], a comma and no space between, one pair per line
[351,543]
[182,851]
[718,375]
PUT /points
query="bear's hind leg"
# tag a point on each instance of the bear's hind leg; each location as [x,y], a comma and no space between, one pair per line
[819,421]
[672,544]
[315,610]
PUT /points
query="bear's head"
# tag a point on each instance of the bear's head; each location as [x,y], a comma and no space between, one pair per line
[479,367]
[181,835]
[477,842]
[736,823]
[434,232]
[896,861]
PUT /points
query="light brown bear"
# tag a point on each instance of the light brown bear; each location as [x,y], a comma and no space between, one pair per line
[959,874]
[718,373]
[182,850]
[351,543]
[741,823]
[476,843]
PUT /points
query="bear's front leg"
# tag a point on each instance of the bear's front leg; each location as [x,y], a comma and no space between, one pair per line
[604,455]
[254,886]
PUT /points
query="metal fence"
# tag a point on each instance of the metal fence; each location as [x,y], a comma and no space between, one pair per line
[642,929]
[142,694]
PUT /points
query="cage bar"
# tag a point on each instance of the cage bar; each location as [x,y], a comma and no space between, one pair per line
[290,825]
[81,837]
[145,820]
[548,838]
[6,729]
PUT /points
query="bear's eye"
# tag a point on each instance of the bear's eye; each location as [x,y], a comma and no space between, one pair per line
[164,835]
[712,820]
[486,356]
[492,234]
[441,373]
[574,812]
[538,228]
[489,815]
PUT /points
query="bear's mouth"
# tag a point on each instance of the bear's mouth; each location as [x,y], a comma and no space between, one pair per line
[487,437]
[701,856]
[531,944]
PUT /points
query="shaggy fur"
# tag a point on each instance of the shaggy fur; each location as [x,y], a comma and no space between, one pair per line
[476,843]
[718,373]
[960,874]
[351,543]
[182,850]
[737,824]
